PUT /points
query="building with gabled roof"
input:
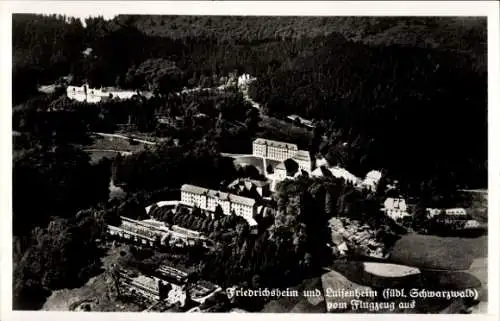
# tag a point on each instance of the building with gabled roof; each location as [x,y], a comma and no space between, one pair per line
[273,149]
[303,159]
[207,199]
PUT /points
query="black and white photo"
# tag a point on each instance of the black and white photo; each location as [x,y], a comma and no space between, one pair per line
[253,163]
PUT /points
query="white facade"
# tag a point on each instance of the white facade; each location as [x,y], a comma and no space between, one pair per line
[321,162]
[275,150]
[338,172]
[208,200]
[371,180]
[94,95]
[455,211]
[303,159]
[431,212]
[244,80]
[280,172]
[395,208]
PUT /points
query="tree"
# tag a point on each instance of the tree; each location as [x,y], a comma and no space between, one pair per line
[420,219]
[56,181]
[219,212]
[133,208]
[196,212]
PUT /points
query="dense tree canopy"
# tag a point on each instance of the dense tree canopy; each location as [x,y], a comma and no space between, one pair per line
[62,255]
[55,182]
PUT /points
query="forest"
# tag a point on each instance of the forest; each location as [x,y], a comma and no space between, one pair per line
[407,96]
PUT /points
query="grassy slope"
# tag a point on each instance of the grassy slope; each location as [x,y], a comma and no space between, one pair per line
[435,252]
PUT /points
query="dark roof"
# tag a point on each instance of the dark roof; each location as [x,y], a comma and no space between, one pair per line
[275,143]
[172,275]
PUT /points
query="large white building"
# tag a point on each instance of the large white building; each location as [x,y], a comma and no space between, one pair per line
[95,95]
[282,151]
[272,149]
[207,199]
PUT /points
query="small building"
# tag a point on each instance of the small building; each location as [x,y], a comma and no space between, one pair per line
[303,159]
[244,80]
[176,122]
[280,171]
[321,161]
[203,290]
[371,180]
[395,208]
[455,211]
[87,52]
[431,212]
[261,187]
[302,121]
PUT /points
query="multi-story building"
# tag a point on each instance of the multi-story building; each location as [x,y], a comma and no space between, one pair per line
[95,95]
[208,200]
[281,151]
[272,149]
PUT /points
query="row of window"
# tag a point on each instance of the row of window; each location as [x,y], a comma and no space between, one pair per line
[200,201]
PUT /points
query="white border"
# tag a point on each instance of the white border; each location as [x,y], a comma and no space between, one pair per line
[310,8]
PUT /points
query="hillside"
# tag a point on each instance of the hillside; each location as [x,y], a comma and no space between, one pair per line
[462,34]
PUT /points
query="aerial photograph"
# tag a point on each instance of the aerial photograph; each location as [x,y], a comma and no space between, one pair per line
[249,164]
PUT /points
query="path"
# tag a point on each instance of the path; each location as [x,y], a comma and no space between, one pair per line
[234,155]
[124,137]
[123,152]
[481,191]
